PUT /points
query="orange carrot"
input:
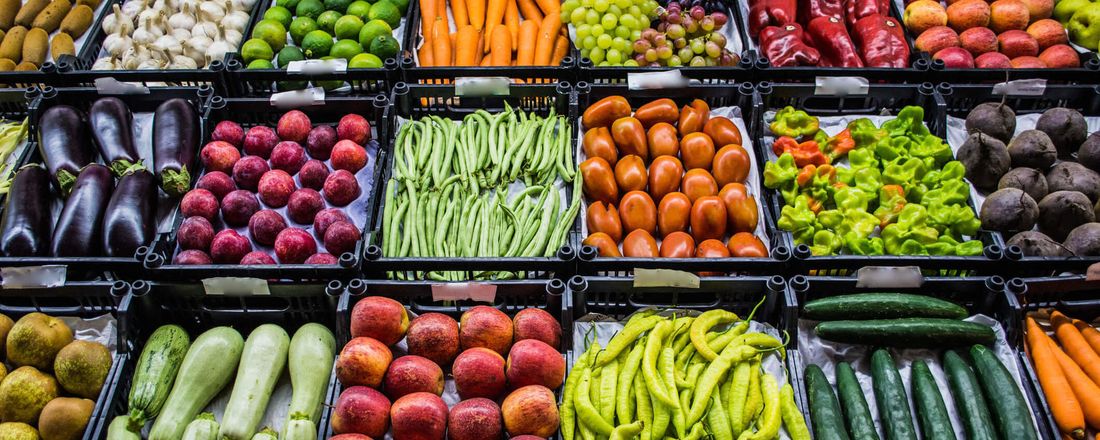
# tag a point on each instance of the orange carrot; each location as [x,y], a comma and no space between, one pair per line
[486,62]
[561,49]
[525,52]
[511,19]
[1075,345]
[494,15]
[1088,394]
[1091,334]
[427,17]
[465,46]
[549,7]
[1063,403]
[544,43]
[500,46]
[476,10]
[425,54]
[441,43]
[458,9]
[530,10]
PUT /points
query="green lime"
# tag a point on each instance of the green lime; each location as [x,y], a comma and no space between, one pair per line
[347,27]
[365,61]
[288,4]
[300,27]
[317,44]
[384,46]
[337,5]
[373,29]
[359,8]
[402,5]
[256,49]
[346,49]
[327,21]
[260,64]
[387,12]
[288,54]
[271,31]
[309,8]
[279,14]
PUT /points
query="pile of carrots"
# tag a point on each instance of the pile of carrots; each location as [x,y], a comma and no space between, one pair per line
[1069,371]
[492,33]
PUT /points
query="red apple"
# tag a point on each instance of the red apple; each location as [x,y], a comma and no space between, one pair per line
[475,419]
[479,372]
[955,58]
[484,326]
[380,318]
[531,410]
[538,324]
[363,361]
[419,416]
[434,336]
[361,410]
[412,374]
[532,362]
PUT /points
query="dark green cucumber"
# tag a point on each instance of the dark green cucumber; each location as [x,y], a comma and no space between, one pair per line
[893,404]
[969,402]
[857,414]
[881,306]
[1011,415]
[824,409]
[935,424]
[906,332]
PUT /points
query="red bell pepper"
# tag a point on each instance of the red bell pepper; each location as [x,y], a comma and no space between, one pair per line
[806,153]
[784,47]
[881,40]
[857,9]
[830,37]
[811,9]
[764,13]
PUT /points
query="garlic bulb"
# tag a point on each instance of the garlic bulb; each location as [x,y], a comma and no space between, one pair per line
[213,9]
[117,43]
[168,45]
[184,19]
[217,50]
[183,62]
[181,34]
[195,48]
[146,33]
[237,20]
[205,28]
[148,14]
[134,7]
[116,18]
[233,37]
[105,63]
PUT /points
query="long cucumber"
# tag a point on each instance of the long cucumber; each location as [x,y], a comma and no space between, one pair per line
[1011,415]
[931,412]
[893,404]
[969,401]
[906,332]
[265,354]
[857,415]
[824,408]
[207,368]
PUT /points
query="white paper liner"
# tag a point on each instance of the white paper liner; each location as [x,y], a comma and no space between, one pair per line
[826,355]
[752,181]
[603,329]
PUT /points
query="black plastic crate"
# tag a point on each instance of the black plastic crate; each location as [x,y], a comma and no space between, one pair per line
[417,297]
[82,299]
[149,305]
[960,99]
[82,98]
[242,82]
[716,95]
[879,99]
[915,72]
[255,111]
[991,296]
[414,101]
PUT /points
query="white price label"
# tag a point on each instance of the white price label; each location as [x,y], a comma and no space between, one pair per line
[29,277]
[317,67]
[668,79]
[481,292]
[841,85]
[665,278]
[298,98]
[235,286]
[1021,87]
[883,277]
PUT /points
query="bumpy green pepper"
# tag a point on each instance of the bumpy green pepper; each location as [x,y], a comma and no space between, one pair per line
[891,200]
[954,220]
[867,179]
[865,133]
[932,148]
[862,158]
[953,170]
[909,122]
[794,123]
[797,215]
[780,174]
[911,233]
[866,246]
[826,242]
[893,148]
[951,192]
[903,171]
[850,197]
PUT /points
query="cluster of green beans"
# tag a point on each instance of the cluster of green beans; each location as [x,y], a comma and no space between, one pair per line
[449,192]
[684,378]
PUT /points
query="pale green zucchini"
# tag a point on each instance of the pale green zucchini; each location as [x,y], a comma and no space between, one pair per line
[155,372]
[312,353]
[262,363]
[207,368]
[204,427]
[300,427]
[119,429]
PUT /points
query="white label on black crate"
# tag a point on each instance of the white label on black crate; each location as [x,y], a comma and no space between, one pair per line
[318,67]
[665,278]
[1021,87]
[298,98]
[668,79]
[884,277]
[235,286]
[111,86]
[840,85]
[481,292]
[482,86]
[29,277]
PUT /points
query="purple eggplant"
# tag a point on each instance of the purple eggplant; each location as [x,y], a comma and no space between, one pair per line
[63,142]
[175,145]
[128,222]
[80,225]
[110,120]
[25,226]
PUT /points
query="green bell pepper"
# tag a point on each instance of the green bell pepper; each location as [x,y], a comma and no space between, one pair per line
[794,123]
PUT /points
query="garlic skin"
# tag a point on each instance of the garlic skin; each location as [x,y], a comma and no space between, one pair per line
[184,19]
[195,48]
[213,9]
[183,62]
[105,63]
[205,29]
[134,7]
[116,44]
[168,45]
[236,20]
[217,50]
[181,34]
[233,38]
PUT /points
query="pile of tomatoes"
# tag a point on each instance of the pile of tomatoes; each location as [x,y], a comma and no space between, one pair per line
[679,157]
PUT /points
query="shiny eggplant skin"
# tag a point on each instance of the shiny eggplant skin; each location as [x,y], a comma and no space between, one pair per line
[175,145]
[26,222]
[111,121]
[128,221]
[63,141]
[78,229]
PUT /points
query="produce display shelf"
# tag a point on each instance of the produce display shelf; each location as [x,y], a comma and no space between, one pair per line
[878,99]
[82,98]
[960,98]
[158,262]
[81,299]
[414,101]
[715,95]
[149,305]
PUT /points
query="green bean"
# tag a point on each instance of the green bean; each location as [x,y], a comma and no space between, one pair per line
[701,326]
[739,394]
[792,417]
[644,404]
[548,212]
[627,370]
[441,232]
[424,150]
[626,431]
[638,324]
[412,221]
[608,378]
[387,219]
[430,207]
[768,427]
[566,222]
[587,413]
[667,364]
[654,380]
[755,401]
[717,418]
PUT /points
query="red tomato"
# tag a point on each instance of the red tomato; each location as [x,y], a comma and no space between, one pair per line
[697,150]
[604,218]
[692,120]
[744,244]
[597,142]
[605,111]
[639,243]
[637,211]
[630,174]
[629,136]
[741,208]
[658,110]
[663,140]
[698,183]
[603,244]
[723,131]
[712,249]
[664,176]
[674,213]
[677,245]
[730,164]
[599,180]
[708,218]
